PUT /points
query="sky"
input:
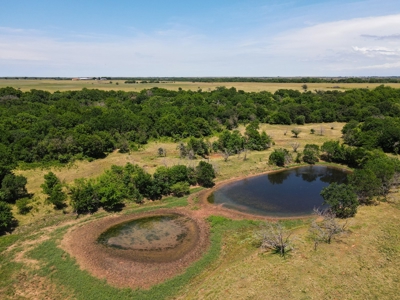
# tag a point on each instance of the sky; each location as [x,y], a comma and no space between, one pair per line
[200,38]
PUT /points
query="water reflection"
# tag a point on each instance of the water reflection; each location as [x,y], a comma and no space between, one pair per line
[287,193]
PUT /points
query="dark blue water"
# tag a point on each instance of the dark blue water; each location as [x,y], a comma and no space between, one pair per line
[286,193]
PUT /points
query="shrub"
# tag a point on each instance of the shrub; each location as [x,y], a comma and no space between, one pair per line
[52,187]
[6,217]
[311,153]
[280,157]
[84,198]
[23,206]
[180,189]
[300,120]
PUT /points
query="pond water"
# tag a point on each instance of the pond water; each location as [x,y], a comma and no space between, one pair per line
[287,193]
[157,238]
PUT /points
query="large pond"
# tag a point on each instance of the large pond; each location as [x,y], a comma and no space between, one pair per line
[287,193]
[158,238]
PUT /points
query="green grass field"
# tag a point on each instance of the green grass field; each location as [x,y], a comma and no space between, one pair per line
[65,85]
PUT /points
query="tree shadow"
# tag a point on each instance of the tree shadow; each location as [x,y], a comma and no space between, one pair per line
[116,208]
[10,228]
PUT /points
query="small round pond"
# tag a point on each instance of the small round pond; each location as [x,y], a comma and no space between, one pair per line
[288,193]
[158,238]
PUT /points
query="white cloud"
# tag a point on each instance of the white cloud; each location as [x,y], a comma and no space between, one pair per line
[347,47]
[343,44]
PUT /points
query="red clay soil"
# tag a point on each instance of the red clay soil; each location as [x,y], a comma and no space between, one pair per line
[81,243]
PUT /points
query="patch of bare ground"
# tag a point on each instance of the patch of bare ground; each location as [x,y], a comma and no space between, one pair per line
[81,242]
[37,288]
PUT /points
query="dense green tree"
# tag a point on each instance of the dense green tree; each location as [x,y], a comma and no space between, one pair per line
[333,151]
[365,184]
[205,174]
[84,196]
[6,217]
[311,153]
[341,198]
[13,187]
[280,157]
[52,187]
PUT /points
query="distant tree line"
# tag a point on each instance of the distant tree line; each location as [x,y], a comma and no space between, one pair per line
[267,79]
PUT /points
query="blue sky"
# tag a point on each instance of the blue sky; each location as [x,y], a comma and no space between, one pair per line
[200,38]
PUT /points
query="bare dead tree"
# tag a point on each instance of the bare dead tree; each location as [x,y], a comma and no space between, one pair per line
[239,152]
[245,151]
[226,154]
[321,130]
[191,155]
[325,230]
[396,147]
[182,149]
[295,146]
[276,238]
[215,167]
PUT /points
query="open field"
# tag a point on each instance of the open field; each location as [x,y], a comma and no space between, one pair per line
[363,263]
[65,85]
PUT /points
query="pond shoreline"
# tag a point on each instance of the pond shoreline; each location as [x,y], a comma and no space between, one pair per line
[232,213]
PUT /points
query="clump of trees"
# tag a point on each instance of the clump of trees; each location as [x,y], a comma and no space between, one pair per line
[132,183]
[234,142]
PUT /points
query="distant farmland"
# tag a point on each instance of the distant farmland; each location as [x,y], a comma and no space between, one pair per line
[65,85]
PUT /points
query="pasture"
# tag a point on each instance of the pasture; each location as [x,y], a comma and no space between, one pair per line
[363,263]
[52,85]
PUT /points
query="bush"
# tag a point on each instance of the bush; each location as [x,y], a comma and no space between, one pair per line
[84,198]
[6,217]
[205,174]
[341,198]
[280,157]
[52,187]
[180,189]
[300,120]
[23,206]
[311,153]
